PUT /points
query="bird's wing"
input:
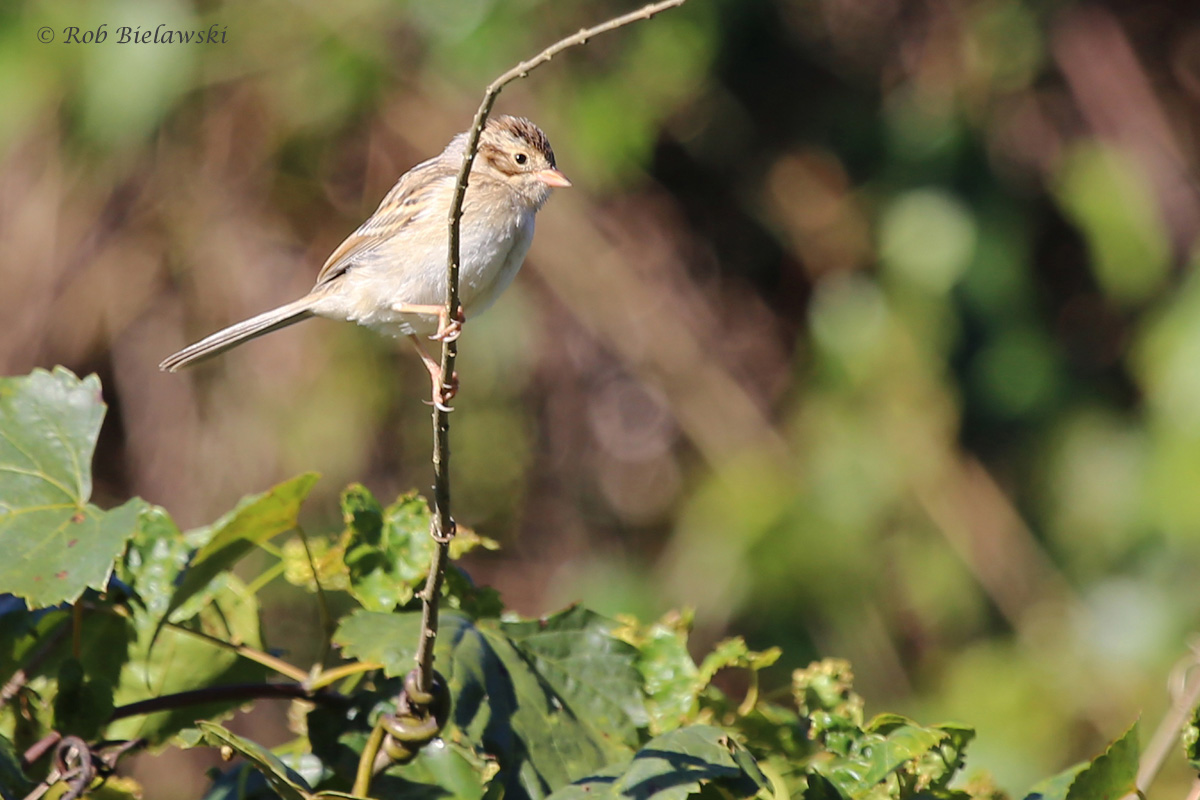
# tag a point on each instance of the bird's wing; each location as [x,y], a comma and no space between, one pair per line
[412,196]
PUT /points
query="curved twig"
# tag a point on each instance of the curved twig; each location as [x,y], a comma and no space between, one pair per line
[443,523]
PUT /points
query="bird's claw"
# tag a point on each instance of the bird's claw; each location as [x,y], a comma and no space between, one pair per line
[443,391]
[449,328]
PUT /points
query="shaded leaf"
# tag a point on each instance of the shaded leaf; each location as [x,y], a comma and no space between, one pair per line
[821,788]
[56,543]
[82,705]
[442,770]
[181,661]
[13,783]
[674,766]
[523,692]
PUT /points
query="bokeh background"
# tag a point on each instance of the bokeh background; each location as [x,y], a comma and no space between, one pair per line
[871,328]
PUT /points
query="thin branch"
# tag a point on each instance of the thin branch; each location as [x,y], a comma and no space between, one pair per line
[322,603]
[443,523]
[21,676]
[245,651]
[231,693]
[328,677]
[40,748]
[1185,695]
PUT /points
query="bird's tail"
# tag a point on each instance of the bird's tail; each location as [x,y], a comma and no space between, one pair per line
[244,331]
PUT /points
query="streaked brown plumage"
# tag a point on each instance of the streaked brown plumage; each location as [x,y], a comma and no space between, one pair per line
[390,274]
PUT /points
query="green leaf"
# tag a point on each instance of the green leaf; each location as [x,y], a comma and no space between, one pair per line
[156,555]
[387,551]
[286,782]
[821,788]
[733,653]
[1112,775]
[13,783]
[443,770]
[577,652]
[1057,786]
[312,562]
[56,543]
[181,661]
[824,692]
[256,519]
[895,752]
[551,700]
[389,639]
[673,682]
[674,766]
[246,782]
[1191,739]
[81,706]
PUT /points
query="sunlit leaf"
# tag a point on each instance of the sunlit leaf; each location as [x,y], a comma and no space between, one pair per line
[1057,786]
[285,781]
[387,551]
[256,519]
[56,543]
[670,674]
[1112,775]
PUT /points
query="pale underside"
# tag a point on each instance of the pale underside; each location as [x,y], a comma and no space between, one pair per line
[384,270]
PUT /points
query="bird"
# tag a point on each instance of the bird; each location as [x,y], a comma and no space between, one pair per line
[390,274]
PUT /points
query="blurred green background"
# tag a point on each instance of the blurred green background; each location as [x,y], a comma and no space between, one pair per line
[871,328]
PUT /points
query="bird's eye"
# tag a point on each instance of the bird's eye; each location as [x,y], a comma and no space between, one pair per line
[521,158]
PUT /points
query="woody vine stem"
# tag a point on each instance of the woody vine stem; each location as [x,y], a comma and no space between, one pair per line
[442,523]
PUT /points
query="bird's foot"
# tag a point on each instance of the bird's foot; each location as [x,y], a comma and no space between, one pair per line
[449,328]
[443,390]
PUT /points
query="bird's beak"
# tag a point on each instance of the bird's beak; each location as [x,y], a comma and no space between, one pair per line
[553,178]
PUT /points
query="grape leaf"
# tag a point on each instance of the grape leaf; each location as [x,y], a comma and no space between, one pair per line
[551,700]
[56,543]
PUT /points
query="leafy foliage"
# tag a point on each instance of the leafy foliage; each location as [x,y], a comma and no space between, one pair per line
[566,706]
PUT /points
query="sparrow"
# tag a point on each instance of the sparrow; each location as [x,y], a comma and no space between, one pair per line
[390,274]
